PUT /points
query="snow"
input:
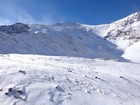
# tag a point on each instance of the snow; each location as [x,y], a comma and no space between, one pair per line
[55,80]
[126,31]
[132,52]
[122,44]
[64,39]
[100,30]
[71,63]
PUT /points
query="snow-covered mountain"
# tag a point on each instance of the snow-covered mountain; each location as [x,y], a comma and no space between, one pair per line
[63,39]
[123,32]
[70,63]
[72,39]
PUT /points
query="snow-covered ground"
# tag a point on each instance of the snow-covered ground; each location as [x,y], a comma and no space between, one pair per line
[59,80]
[133,52]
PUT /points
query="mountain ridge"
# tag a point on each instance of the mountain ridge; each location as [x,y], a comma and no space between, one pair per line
[72,39]
[125,31]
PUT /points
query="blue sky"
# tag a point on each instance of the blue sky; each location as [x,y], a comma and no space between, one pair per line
[53,11]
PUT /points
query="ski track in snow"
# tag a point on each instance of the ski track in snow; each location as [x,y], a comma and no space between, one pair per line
[53,80]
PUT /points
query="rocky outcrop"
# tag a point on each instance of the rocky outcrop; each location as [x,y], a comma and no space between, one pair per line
[16,28]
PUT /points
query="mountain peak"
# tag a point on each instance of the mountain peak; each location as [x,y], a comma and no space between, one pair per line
[137,13]
[127,21]
[135,16]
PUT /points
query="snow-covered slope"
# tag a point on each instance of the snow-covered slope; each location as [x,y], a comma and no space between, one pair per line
[49,80]
[63,39]
[72,39]
[123,32]
[133,52]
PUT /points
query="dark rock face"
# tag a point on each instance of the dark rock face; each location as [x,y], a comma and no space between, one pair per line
[17,28]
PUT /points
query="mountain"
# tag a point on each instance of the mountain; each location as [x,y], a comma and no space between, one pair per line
[70,63]
[123,32]
[107,41]
[62,39]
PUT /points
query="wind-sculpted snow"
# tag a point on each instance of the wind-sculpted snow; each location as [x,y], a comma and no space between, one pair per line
[49,80]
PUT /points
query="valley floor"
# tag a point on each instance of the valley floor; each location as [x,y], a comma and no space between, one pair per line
[52,80]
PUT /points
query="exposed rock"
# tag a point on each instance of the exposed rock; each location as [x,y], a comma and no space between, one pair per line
[16,28]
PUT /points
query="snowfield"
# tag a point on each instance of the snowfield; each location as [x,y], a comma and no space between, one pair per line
[132,52]
[59,80]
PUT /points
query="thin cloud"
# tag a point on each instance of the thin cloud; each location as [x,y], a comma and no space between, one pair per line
[11,12]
